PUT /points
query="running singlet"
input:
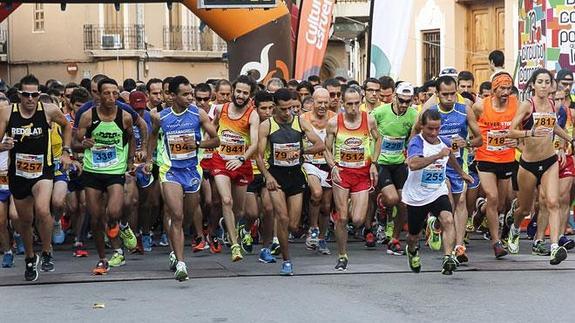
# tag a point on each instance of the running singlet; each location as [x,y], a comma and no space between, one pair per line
[4,155]
[565,121]
[31,156]
[352,147]
[207,153]
[453,124]
[494,128]
[234,134]
[56,140]
[425,185]
[180,131]
[137,136]
[394,130]
[318,158]
[109,155]
[285,144]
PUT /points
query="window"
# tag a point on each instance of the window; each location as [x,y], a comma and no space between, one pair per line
[431,54]
[39,17]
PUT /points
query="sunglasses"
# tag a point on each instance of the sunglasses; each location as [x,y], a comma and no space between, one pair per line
[29,94]
[402,101]
[202,99]
[334,94]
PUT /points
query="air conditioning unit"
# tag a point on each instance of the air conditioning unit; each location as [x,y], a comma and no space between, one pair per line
[111,41]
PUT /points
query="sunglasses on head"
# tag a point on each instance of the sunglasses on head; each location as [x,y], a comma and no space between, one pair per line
[29,94]
[334,94]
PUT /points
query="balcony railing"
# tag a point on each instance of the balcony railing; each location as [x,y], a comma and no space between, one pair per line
[191,39]
[3,41]
[114,37]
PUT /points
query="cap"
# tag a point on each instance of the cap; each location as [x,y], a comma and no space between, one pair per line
[404,88]
[563,73]
[138,100]
[448,71]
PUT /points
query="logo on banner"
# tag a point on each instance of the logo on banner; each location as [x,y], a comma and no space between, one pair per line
[319,20]
[263,66]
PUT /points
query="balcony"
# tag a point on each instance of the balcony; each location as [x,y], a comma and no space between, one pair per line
[352,8]
[112,41]
[189,41]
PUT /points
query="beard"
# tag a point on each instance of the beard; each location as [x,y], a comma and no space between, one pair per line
[235,101]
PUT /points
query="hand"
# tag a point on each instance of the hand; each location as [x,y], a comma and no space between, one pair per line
[444,152]
[131,169]
[88,143]
[466,177]
[459,142]
[511,143]
[140,155]
[78,166]
[147,168]
[272,184]
[373,175]
[66,161]
[7,143]
[542,132]
[233,164]
[561,158]
[190,141]
[335,175]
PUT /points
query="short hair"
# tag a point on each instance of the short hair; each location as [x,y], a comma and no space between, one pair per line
[176,82]
[165,81]
[202,87]
[430,115]
[305,84]
[465,76]
[221,82]
[445,80]
[263,96]
[341,79]
[80,95]
[497,58]
[352,82]
[129,84]
[294,95]
[282,94]
[485,86]
[293,82]
[307,99]
[29,79]
[141,88]
[245,80]
[350,90]
[152,81]
[431,83]
[386,83]
[53,91]
[71,85]
[314,78]
[85,83]
[98,77]
[333,82]
[515,90]
[275,81]
[371,80]
[104,81]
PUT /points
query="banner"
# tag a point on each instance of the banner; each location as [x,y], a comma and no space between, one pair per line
[388,45]
[546,38]
[313,33]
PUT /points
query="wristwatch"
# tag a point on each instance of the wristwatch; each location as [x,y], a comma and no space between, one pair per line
[242,159]
[198,144]
[468,143]
[68,150]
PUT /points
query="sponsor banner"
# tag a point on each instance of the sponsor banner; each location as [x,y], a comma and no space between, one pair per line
[313,34]
[7,9]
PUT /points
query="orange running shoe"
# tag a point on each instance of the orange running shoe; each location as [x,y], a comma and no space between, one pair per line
[460,254]
[101,268]
[199,246]
[215,245]
[113,231]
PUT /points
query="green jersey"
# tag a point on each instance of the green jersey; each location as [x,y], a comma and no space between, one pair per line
[394,130]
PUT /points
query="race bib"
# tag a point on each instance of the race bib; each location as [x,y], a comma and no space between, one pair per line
[29,166]
[4,181]
[456,150]
[181,146]
[208,153]
[286,155]
[433,176]
[352,157]
[496,140]
[232,146]
[104,156]
[545,120]
[392,145]
[317,158]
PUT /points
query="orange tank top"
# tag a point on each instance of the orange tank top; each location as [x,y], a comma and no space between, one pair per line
[234,133]
[494,128]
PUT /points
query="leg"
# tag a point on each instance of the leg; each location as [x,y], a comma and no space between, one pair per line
[325,210]
[448,231]
[42,193]
[341,197]
[490,187]
[4,235]
[96,209]
[174,203]
[268,217]
[283,221]
[316,193]
[59,193]
[550,189]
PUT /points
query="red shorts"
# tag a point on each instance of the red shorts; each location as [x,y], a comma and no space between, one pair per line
[207,164]
[240,177]
[569,169]
[354,179]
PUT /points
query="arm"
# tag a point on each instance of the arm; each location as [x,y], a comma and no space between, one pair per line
[318,145]
[263,132]
[55,115]
[331,133]
[83,124]
[375,137]
[8,142]
[128,126]
[420,162]
[477,141]
[214,140]
[453,163]
[254,131]
[514,130]
[143,127]
[562,133]
[153,142]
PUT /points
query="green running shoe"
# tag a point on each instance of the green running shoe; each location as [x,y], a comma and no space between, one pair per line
[236,253]
[247,241]
[540,248]
[173,261]
[513,241]
[434,239]
[449,265]
[413,260]
[558,255]
[181,273]
[117,260]
[128,238]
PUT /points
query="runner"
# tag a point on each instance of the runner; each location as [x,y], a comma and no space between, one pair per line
[536,121]
[232,169]
[5,246]
[333,86]
[387,89]
[281,140]
[349,141]
[372,87]
[25,131]
[223,92]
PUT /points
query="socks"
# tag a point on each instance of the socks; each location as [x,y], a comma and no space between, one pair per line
[123,226]
[554,246]
[120,251]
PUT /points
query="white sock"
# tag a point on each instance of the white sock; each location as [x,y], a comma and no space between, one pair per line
[181,263]
[119,251]
[554,246]
[515,229]
[124,226]
[8,252]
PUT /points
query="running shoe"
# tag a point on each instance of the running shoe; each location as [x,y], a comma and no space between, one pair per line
[181,273]
[434,240]
[246,241]
[341,263]
[499,250]
[113,231]
[139,246]
[275,247]
[513,241]
[389,228]
[287,268]
[509,216]
[540,248]
[47,262]
[322,247]
[31,273]
[460,254]
[469,226]
[558,255]
[413,260]
[19,244]
[449,265]
[312,239]
[236,253]
[266,256]
[532,228]
[380,235]
[394,248]
[164,240]
[199,245]
[102,268]
[58,235]
[566,242]
[117,260]
[369,239]
[8,260]
[215,245]
[80,250]
[128,237]
[173,261]
[146,242]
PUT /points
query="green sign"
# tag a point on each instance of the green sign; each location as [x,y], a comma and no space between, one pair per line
[223,4]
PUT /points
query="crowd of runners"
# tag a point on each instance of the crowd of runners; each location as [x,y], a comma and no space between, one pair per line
[231,165]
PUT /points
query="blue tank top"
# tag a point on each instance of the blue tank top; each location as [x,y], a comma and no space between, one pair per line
[175,127]
[454,123]
[137,135]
